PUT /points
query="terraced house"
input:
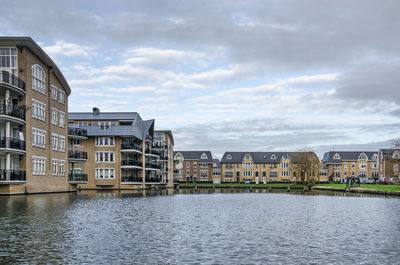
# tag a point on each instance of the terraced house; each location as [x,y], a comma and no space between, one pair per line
[389,163]
[263,167]
[33,113]
[339,165]
[118,149]
[193,166]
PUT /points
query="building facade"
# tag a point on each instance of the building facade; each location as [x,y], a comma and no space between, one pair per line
[339,165]
[389,163]
[119,150]
[193,166]
[216,171]
[264,167]
[33,119]
[163,142]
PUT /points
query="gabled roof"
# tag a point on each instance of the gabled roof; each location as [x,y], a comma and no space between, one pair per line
[345,156]
[258,157]
[217,164]
[31,45]
[195,155]
[111,116]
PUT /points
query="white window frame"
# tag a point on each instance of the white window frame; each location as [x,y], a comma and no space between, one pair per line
[103,155]
[54,92]
[62,167]
[38,79]
[38,110]
[38,137]
[54,141]
[61,96]
[61,119]
[203,173]
[100,140]
[54,167]
[62,143]
[38,165]
[54,116]
[98,172]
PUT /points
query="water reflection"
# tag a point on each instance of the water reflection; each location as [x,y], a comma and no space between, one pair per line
[207,226]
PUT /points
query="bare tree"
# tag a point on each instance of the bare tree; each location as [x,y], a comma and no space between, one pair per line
[306,164]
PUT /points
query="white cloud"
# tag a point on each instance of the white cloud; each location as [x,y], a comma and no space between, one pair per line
[69,50]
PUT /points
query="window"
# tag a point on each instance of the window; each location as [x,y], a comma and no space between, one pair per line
[54,116]
[61,119]
[104,141]
[336,156]
[247,173]
[203,173]
[54,92]
[62,168]
[187,173]
[104,173]
[62,96]
[353,165]
[345,164]
[336,165]
[337,174]
[62,143]
[285,156]
[247,165]
[285,165]
[323,173]
[38,165]
[395,168]
[203,156]
[205,165]
[83,123]
[38,79]
[273,157]
[38,110]
[54,166]
[228,157]
[104,157]
[9,60]
[228,174]
[273,174]
[104,124]
[195,164]
[247,157]
[38,138]
[54,141]
[375,157]
[285,173]
[76,142]
[187,164]
[362,174]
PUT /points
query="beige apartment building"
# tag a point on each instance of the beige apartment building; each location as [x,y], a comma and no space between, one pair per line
[338,165]
[163,142]
[119,151]
[193,166]
[389,163]
[266,167]
[33,114]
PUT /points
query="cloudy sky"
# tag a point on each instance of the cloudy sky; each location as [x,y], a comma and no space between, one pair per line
[230,75]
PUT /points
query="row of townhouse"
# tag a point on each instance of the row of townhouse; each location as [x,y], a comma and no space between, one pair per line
[43,148]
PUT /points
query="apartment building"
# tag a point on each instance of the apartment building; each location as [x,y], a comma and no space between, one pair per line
[263,167]
[33,114]
[339,165]
[163,142]
[119,147]
[193,166]
[388,163]
[216,168]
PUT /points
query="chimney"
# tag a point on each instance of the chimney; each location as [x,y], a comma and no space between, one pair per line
[96,111]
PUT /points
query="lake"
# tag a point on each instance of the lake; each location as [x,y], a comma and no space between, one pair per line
[203,227]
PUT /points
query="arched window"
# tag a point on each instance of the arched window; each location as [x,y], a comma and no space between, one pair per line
[273,156]
[336,156]
[362,157]
[229,157]
[38,79]
[203,156]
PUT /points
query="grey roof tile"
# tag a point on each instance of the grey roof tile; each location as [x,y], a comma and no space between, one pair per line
[258,157]
[195,155]
[345,156]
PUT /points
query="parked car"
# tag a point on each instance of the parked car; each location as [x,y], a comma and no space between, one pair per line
[383,181]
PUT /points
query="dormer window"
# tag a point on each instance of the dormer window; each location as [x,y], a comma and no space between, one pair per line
[273,157]
[336,156]
[203,156]
[375,157]
[285,156]
[247,157]
[229,157]
[362,157]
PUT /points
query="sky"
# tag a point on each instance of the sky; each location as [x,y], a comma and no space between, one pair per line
[230,75]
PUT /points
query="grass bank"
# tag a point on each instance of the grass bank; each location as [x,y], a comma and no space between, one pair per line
[371,187]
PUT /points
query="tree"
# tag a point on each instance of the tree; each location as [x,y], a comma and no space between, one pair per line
[306,163]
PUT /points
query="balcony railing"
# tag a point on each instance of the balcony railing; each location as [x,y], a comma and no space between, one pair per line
[163,157]
[13,111]
[12,175]
[153,179]
[12,143]
[127,162]
[77,177]
[77,132]
[129,146]
[77,155]
[131,179]
[6,77]
[160,146]
[152,165]
[153,152]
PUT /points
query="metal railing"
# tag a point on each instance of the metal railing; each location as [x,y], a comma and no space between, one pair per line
[153,152]
[128,146]
[13,111]
[131,179]
[77,132]
[12,143]
[77,177]
[77,154]
[152,165]
[127,162]
[6,77]
[12,175]
[160,146]
[153,179]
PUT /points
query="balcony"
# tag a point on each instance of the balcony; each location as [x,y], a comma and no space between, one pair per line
[153,179]
[77,156]
[126,163]
[12,176]
[9,81]
[12,113]
[12,145]
[77,178]
[77,133]
[153,153]
[131,179]
[164,157]
[152,166]
[131,147]
[160,146]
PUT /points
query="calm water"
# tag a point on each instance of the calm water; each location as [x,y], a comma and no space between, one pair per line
[207,228]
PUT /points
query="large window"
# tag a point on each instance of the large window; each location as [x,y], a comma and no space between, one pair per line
[54,166]
[9,60]
[228,174]
[203,173]
[38,165]
[54,141]
[285,165]
[273,174]
[54,92]
[104,157]
[104,173]
[247,165]
[61,119]
[54,116]
[62,143]
[203,165]
[285,173]
[62,167]
[38,79]
[38,110]
[62,96]
[104,141]
[38,138]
